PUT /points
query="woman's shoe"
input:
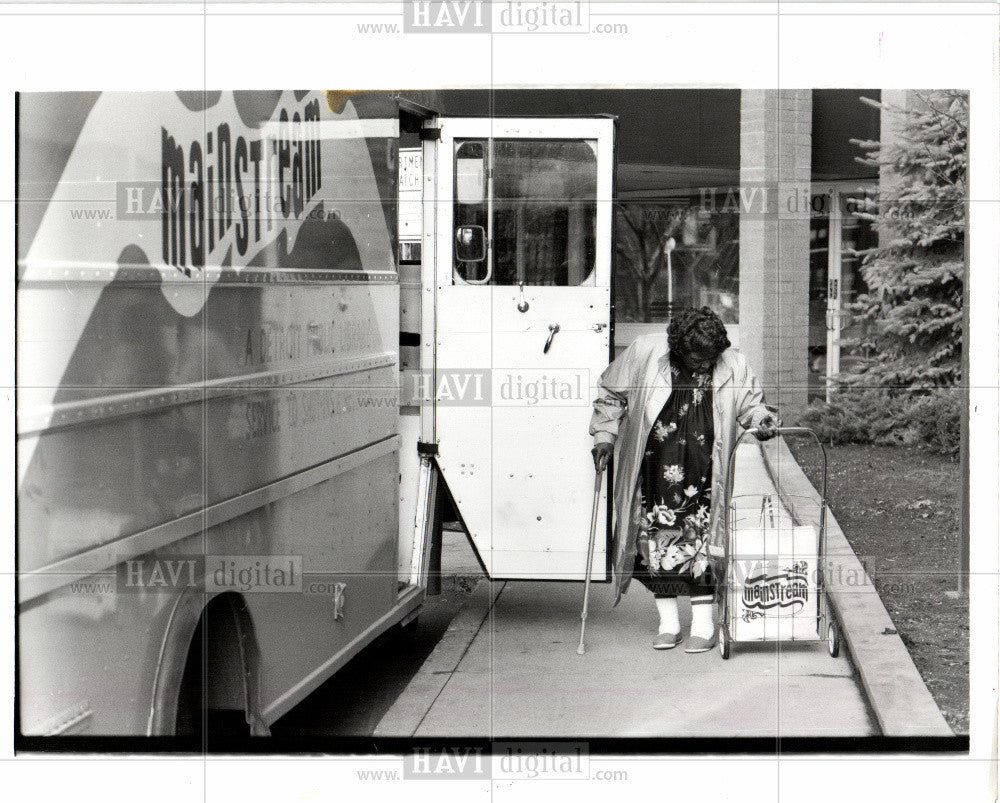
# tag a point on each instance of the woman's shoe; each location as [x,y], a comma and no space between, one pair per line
[699,644]
[666,641]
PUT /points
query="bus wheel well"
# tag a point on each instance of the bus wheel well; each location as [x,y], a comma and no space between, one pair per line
[219,690]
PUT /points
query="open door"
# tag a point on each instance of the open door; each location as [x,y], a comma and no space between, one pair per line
[522,281]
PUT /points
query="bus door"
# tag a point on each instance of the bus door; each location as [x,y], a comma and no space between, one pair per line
[522,282]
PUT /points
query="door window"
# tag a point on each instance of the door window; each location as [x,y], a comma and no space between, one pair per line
[471,211]
[538,213]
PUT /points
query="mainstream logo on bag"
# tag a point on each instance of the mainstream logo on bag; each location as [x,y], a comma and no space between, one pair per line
[789,589]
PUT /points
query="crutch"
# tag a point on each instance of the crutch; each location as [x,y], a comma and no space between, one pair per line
[590,556]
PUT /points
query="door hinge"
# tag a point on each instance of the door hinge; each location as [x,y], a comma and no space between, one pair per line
[430,133]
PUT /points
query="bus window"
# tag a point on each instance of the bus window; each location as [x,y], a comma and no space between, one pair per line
[471,214]
[540,212]
[544,212]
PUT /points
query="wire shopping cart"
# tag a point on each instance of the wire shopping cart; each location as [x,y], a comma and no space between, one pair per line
[773,586]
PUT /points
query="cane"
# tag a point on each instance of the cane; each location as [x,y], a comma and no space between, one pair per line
[590,557]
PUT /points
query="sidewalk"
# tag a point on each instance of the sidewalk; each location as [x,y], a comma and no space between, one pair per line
[508,667]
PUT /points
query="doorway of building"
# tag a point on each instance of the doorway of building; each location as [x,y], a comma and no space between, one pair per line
[838,240]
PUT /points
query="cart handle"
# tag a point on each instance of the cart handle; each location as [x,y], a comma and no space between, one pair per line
[731,466]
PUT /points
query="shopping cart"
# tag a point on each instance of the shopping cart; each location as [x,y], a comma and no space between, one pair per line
[773,586]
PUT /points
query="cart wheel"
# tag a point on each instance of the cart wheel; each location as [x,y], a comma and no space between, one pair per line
[833,639]
[725,645]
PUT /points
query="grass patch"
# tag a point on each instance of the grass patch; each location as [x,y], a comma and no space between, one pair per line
[899,508]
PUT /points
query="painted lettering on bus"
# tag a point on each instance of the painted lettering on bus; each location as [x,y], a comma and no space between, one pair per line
[269,415]
[224,192]
[263,417]
[276,343]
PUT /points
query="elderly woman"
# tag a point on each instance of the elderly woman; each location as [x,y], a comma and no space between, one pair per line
[668,409]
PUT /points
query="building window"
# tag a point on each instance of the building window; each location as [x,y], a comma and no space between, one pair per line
[702,269]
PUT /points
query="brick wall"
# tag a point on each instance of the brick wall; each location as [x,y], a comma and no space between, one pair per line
[775,145]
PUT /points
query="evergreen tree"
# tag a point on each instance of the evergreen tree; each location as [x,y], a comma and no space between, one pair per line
[913,310]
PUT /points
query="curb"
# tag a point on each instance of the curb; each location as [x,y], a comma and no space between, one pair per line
[405,715]
[898,696]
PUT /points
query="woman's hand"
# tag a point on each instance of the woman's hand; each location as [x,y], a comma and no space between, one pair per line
[602,453]
[768,427]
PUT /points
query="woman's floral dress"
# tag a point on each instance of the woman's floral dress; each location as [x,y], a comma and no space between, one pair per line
[676,487]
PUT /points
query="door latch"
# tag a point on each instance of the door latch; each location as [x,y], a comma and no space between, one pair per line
[522,305]
[599,327]
[553,328]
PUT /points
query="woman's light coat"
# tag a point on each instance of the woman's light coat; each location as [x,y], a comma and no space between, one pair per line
[633,390]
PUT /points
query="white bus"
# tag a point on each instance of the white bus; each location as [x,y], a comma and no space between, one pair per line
[263,338]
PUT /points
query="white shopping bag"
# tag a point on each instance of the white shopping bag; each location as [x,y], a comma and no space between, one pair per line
[773,580]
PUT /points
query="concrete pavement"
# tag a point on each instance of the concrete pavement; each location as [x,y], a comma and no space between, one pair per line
[508,667]
[519,676]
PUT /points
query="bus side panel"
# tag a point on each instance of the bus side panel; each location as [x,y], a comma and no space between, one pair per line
[115,477]
[349,577]
[95,482]
[88,655]
[156,386]
[341,532]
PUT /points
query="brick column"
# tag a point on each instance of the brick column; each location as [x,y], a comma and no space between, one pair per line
[775,155]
